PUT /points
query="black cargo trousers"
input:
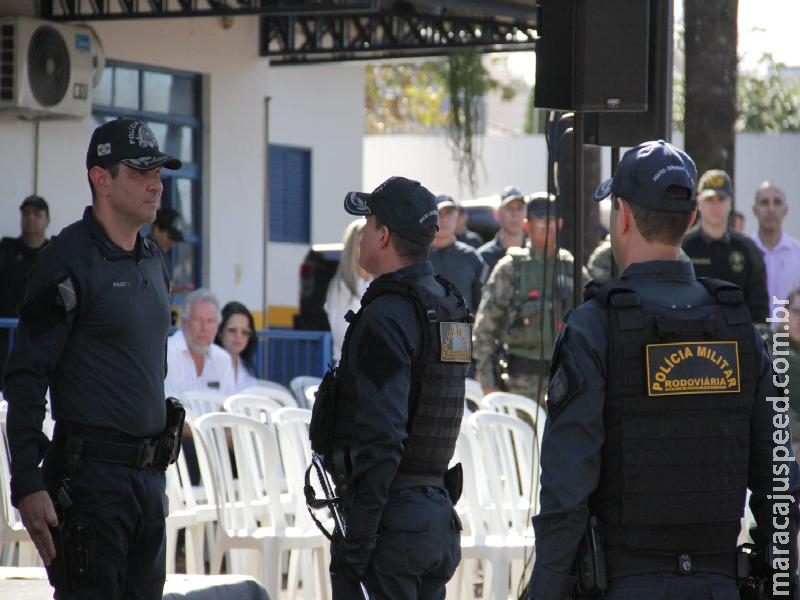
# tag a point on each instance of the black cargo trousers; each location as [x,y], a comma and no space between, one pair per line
[120,514]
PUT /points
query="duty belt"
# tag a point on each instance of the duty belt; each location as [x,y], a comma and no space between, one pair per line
[105,445]
[621,563]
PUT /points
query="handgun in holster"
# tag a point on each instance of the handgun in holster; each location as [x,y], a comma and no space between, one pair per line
[749,572]
[591,561]
[74,542]
[169,442]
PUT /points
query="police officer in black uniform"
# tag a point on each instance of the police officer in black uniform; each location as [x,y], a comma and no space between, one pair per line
[388,420]
[662,412]
[93,327]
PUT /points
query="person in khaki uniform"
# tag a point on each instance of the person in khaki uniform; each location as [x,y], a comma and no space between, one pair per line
[527,295]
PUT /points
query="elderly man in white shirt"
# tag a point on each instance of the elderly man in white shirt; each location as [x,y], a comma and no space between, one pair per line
[194,362]
[781,251]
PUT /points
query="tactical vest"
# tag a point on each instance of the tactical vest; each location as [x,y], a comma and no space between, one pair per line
[537,306]
[438,371]
[680,389]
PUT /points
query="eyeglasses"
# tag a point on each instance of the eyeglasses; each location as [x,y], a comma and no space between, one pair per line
[241,331]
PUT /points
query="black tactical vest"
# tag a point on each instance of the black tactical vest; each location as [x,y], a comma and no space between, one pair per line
[680,390]
[436,400]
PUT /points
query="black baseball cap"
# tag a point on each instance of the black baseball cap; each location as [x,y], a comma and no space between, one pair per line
[169,220]
[404,206]
[715,182]
[129,142]
[541,203]
[445,201]
[36,202]
[646,171]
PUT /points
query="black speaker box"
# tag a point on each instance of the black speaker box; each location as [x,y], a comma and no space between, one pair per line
[630,129]
[592,55]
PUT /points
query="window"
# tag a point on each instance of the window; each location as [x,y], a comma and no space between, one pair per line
[289,194]
[169,102]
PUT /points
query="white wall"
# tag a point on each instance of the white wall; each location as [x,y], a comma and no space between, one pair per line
[317,107]
[522,161]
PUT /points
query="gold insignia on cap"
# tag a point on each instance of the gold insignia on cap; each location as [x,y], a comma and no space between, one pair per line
[456,342]
[692,368]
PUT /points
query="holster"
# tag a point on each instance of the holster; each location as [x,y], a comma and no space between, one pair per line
[74,539]
[454,482]
[168,448]
[591,562]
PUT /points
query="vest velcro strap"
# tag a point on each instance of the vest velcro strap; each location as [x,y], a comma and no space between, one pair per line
[630,317]
[624,299]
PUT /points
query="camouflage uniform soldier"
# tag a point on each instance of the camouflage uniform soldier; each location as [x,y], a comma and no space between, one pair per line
[522,307]
[599,265]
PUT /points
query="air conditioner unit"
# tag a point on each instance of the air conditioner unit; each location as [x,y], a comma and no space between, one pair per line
[45,68]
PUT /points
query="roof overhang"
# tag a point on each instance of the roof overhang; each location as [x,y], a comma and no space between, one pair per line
[302,31]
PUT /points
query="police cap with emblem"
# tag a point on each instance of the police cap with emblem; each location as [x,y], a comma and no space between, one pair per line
[406,207]
[715,182]
[645,173]
[129,142]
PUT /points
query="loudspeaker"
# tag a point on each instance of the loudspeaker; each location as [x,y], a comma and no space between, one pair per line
[592,55]
[630,129]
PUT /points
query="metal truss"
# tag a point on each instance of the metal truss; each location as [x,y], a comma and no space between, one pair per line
[104,10]
[387,34]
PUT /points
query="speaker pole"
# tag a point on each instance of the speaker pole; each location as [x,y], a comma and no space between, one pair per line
[614,163]
[577,274]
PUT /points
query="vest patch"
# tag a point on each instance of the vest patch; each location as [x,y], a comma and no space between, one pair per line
[456,341]
[692,368]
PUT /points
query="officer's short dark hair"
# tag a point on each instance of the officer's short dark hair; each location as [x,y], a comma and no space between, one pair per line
[408,250]
[665,227]
[112,168]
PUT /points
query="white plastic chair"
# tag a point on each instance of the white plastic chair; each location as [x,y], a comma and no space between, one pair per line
[252,405]
[273,390]
[249,509]
[200,402]
[473,393]
[504,458]
[299,386]
[11,530]
[513,404]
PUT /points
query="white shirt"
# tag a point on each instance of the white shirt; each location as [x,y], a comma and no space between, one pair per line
[338,301]
[181,374]
[243,377]
[783,267]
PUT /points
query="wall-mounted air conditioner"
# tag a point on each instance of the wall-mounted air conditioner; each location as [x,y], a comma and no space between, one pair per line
[45,68]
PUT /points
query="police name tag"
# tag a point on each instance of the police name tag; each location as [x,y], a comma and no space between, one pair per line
[456,342]
[692,368]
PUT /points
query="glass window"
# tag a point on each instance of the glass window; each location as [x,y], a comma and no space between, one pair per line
[102,93]
[166,93]
[183,204]
[126,88]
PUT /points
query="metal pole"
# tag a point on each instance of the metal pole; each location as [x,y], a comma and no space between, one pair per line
[614,163]
[35,156]
[265,241]
[577,275]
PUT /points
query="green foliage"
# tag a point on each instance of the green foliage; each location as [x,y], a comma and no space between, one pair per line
[405,98]
[767,102]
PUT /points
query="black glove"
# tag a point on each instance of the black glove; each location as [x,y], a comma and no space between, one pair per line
[351,556]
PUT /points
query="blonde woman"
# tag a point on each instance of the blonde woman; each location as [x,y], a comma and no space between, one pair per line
[347,286]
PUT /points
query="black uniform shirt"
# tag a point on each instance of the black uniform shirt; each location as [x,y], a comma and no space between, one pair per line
[16,261]
[493,251]
[573,438]
[734,258]
[380,351]
[105,361]
[461,265]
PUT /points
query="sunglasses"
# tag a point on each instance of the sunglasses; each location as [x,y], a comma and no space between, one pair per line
[235,330]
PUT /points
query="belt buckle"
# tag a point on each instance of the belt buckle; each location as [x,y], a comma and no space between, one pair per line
[685,564]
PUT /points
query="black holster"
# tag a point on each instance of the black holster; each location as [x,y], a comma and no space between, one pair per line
[168,448]
[454,482]
[74,541]
[591,561]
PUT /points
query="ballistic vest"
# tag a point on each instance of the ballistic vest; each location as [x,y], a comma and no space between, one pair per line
[680,389]
[438,371]
[541,299]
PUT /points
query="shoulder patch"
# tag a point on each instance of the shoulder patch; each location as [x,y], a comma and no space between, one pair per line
[518,252]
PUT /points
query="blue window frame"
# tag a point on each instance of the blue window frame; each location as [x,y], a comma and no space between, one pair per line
[289,194]
[169,102]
